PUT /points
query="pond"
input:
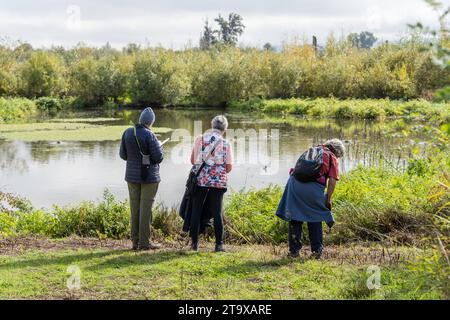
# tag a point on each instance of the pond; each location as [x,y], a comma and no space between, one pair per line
[65,172]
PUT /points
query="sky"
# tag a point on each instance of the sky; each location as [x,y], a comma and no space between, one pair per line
[178,23]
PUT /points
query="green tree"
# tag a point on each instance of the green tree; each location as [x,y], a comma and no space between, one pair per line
[158,77]
[268,47]
[42,75]
[440,47]
[97,81]
[208,38]
[363,40]
[230,29]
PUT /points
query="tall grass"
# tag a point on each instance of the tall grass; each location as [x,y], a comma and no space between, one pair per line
[371,109]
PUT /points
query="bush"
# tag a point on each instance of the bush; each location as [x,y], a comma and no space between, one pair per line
[370,109]
[158,77]
[49,105]
[42,75]
[13,109]
[250,217]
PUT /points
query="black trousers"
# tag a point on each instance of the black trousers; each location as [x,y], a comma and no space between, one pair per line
[315,236]
[207,202]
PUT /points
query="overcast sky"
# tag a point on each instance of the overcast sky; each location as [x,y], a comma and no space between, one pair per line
[175,23]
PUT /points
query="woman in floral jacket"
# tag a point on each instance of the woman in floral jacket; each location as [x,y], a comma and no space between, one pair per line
[212,181]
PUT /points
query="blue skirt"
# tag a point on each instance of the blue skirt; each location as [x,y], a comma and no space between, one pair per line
[304,201]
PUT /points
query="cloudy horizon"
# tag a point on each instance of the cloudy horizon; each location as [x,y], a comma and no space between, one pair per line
[177,23]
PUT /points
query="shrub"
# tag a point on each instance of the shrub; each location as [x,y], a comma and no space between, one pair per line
[250,217]
[13,109]
[49,105]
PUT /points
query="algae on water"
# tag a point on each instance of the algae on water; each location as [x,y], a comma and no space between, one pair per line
[65,131]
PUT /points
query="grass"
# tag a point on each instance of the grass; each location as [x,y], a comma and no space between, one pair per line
[246,272]
[371,109]
[86,120]
[65,131]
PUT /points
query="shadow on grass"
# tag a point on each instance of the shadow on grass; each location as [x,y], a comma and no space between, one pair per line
[257,266]
[51,259]
[137,259]
[120,258]
[123,258]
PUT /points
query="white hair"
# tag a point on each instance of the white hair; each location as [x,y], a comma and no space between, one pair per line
[336,146]
[220,123]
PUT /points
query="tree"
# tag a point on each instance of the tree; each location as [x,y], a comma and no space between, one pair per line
[363,40]
[131,48]
[208,38]
[440,49]
[42,75]
[97,81]
[268,47]
[230,29]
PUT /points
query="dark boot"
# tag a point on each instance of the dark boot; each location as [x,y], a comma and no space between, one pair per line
[194,246]
[219,248]
[151,246]
[317,254]
[295,238]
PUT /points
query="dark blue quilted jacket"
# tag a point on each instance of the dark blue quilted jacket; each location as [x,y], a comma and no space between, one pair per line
[129,151]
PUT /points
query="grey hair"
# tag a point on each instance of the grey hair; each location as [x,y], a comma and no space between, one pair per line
[336,146]
[220,123]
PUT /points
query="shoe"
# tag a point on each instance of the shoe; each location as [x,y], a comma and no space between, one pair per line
[154,246]
[316,254]
[194,246]
[294,254]
[151,246]
[219,248]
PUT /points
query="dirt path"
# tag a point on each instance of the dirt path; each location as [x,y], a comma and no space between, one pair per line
[19,245]
[356,253]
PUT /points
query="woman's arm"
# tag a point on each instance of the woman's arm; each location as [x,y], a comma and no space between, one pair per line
[193,156]
[123,148]
[156,151]
[330,190]
[229,159]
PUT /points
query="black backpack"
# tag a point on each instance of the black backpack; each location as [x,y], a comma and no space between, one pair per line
[307,168]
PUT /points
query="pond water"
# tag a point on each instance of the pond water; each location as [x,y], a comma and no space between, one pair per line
[50,173]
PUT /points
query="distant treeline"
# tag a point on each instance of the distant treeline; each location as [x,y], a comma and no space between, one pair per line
[89,76]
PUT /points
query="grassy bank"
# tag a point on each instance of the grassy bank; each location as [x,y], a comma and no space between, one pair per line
[373,109]
[13,110]
[370,204]
[75,130]
[109,271]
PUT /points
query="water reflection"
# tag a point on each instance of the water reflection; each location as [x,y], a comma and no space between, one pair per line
[52,173]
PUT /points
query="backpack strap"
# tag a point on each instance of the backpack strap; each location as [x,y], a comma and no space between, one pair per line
[208,156]
[137,141]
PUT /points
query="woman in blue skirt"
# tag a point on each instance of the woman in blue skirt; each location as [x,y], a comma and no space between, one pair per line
[309,202]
